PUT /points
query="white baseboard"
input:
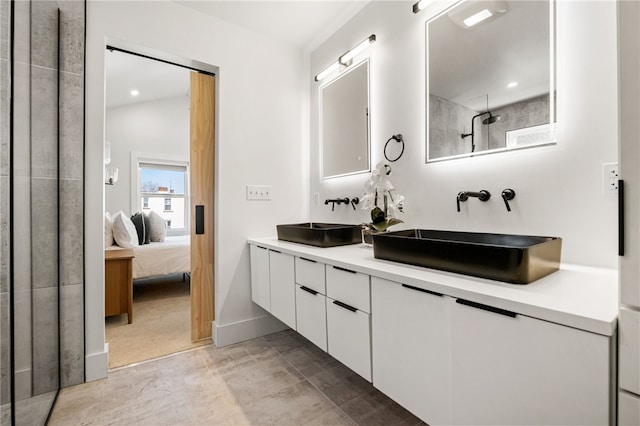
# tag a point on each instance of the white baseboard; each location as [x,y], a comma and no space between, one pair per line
[22,382]
[240,331]
[97,365]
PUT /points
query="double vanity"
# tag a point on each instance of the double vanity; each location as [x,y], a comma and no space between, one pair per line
[452,348]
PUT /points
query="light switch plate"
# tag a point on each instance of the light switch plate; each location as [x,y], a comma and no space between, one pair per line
[258,192]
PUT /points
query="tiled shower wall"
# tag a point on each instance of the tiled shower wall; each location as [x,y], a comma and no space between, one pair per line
[35,170]
[72,38]
[450,120]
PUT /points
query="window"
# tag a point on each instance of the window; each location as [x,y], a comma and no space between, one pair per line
[163,187]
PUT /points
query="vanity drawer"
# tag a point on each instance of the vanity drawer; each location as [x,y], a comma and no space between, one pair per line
[348,287]
[349,337]
[311,316]
[310,273]
[628,409]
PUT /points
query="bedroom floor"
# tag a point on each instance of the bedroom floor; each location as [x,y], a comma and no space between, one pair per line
[161,322]
[278,379]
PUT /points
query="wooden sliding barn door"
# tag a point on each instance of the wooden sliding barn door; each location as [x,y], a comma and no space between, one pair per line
[202,203]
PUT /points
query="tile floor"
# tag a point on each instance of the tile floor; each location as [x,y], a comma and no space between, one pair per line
[280,379]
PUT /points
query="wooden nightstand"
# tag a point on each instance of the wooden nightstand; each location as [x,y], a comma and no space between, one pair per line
[118,282]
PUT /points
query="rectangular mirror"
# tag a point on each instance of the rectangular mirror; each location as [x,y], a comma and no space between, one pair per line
[344,123]
[490,78]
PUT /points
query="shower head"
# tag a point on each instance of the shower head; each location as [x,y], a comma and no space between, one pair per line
[491,119]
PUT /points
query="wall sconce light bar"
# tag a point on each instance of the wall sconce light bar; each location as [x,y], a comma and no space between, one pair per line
[111,175]
[329,70]
[346,58]
[419,6]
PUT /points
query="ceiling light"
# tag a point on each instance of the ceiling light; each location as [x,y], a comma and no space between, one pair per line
[134,92]
[344,59]
[512,84]
[420,5]
[477,18]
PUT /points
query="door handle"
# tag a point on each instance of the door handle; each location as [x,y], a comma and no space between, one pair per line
[620,217]
[345,306]
[199,219]
[344,270]
[422,290]
[308,290]
[487,308]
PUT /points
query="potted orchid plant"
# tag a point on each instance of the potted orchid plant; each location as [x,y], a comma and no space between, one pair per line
[378,197]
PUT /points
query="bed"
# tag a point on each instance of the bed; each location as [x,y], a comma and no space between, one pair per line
[154,259]
[169,257]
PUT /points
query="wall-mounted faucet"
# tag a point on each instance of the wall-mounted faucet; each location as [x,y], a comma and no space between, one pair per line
[345,200]
[483,195]
[354,201]
[508,195]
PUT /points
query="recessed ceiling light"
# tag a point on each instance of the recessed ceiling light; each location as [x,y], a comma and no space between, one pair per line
[134,92]
[512,84]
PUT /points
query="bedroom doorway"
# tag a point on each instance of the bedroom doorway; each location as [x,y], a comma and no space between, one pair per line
[171,297]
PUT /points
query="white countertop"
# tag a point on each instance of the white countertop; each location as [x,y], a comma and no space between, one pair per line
[576,296]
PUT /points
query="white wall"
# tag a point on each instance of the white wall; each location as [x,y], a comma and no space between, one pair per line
[160,127]
[261,139]
[558,188]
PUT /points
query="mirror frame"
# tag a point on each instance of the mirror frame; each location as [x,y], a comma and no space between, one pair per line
[552,88]
[335,78]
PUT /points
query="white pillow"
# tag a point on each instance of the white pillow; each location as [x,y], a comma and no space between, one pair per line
[124,231]
[108,230]
[157,227]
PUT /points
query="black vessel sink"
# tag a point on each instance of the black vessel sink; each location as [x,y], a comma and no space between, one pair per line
[321,234]
[516,259]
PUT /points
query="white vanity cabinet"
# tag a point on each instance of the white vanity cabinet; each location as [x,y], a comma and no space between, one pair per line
[260,286]
[311,313]
[410,348]
[283,288]
[348,319]
[546,358]
[508,368]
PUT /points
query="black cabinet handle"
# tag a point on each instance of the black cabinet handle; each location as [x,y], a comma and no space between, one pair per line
[620,217]
[487,308]
[308,260]
[422,290]
[345,306]
[344,269]
[199,219]
[276,251]
[308,290]
[263,248]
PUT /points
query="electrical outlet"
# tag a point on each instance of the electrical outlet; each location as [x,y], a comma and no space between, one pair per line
[315,199]
[610,177]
